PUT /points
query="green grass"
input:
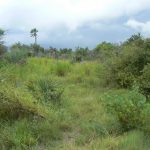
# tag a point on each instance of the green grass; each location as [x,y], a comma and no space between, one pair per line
[79,121]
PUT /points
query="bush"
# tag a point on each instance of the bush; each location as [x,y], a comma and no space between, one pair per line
[129,107]
[46,90]
[17,56]
[145,81]
[37,50]
[3,50]
[126,68]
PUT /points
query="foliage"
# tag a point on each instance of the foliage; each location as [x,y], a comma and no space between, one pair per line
[65,53]
[62,68]
[129,107]
[33,33]
[144,81]
[135,40]
[127,67]
[2,32]
[16,103]
[81,54]
[105,50]
[3,50]
[88,114]
[28,134]
[19,45]
[2,47]
[37,50]
[17,56]
[46,90]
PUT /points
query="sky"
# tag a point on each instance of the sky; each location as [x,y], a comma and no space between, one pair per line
[72,23]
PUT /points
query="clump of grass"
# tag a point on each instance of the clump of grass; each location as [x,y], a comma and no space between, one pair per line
[84,73]
[62,68]
[46,90]
[134,140]
[17,136]
[16,103]
[28,134]
[91,130]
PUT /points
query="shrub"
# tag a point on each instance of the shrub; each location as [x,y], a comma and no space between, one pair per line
[17,56]
[145,81]
[81,54]
[105,50]
[124,69]
[37,50]
[46,89]
[129,107]
[3,50]
[113,76]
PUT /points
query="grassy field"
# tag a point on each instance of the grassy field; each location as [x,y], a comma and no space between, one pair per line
[75,118]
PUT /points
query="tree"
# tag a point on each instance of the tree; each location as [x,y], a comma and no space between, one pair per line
[135,39]
[81,54]
[19,45]
[125,69]
[105,50]
[2,32]
[53,52]
[33,33]
[2,47]
[37,49]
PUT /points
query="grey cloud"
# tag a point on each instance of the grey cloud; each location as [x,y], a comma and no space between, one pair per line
[70,22]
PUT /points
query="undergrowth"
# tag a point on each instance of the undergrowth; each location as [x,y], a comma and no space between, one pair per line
[53,104]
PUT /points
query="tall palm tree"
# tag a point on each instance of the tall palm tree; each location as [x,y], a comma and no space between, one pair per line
[33,33]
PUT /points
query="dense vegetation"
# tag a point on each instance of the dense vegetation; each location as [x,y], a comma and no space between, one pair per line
[75,99]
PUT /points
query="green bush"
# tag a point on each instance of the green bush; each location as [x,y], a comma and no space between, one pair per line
[130,108]
[3,50]
[126,68]
[17,56]
[144,81]
[46,90]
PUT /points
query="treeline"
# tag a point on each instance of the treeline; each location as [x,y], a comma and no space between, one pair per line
[101,52]
[126,64]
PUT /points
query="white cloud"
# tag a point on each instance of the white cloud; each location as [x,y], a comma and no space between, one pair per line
[49,15]
[143,27]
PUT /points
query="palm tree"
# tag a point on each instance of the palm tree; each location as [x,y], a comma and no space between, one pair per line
[33,33]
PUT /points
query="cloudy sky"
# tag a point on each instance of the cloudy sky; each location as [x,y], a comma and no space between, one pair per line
[71,23]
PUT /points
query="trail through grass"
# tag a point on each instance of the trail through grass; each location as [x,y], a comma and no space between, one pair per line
[79,121]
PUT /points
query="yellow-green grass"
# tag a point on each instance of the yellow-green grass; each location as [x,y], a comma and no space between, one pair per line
[79,122]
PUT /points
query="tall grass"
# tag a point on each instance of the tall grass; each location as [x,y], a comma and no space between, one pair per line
[28,119]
